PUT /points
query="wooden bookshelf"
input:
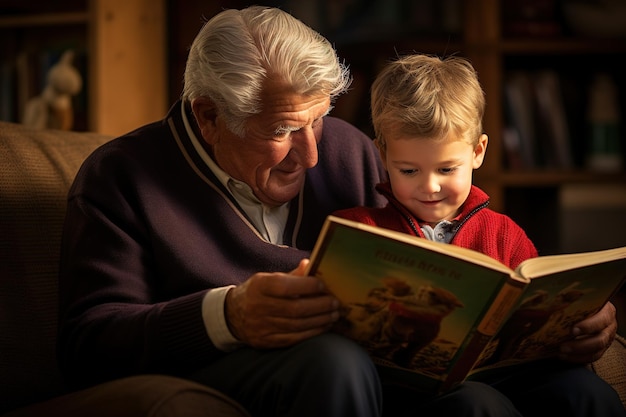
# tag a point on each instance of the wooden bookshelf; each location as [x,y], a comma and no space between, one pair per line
[124,48]
[530,196]
[47,19]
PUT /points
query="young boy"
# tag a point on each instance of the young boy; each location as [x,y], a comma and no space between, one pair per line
[427,115]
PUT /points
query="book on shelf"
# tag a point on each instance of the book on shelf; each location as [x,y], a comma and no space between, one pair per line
[520,131]
[537,130]
[7,90]
[552,121]
[24,81]
[446,313]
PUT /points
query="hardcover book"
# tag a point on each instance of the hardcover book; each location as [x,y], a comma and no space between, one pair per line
[447,313]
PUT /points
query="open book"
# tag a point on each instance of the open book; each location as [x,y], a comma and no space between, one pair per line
[447,313]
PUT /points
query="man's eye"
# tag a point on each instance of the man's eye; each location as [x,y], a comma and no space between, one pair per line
[282,133]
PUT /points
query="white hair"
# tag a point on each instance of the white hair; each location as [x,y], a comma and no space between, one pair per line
[237,50]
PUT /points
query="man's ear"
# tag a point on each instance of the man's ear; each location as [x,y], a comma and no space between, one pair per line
[480,150]
[205,112]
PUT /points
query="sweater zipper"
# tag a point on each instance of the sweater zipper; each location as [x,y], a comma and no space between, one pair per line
[456,227]
[469,215]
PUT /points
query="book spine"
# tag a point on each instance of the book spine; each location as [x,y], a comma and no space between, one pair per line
[501,307]
[489,325]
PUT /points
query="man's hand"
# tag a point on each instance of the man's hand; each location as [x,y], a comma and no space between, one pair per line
[594,335]
[278,309]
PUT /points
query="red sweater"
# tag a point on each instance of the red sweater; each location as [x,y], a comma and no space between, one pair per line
[479,228]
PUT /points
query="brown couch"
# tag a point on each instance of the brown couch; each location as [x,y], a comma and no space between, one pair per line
[36,170]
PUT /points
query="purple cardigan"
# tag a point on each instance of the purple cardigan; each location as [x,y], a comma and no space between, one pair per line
[149,229]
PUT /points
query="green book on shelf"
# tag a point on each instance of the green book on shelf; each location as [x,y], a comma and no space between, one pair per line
[447,313]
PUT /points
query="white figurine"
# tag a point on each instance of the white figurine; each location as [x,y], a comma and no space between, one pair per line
[53,108]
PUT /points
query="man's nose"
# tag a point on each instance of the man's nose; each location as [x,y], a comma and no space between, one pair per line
[304,147]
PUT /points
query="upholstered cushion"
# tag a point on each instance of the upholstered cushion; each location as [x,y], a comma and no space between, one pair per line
[612,366]
[36,170]
[145,395]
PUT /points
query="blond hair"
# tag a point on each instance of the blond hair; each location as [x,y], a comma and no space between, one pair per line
[428,97]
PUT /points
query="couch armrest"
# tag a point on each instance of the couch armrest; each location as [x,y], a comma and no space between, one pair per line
[138,396]
[612,366]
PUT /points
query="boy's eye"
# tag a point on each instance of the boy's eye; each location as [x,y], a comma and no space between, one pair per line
[408,171]
[447,170]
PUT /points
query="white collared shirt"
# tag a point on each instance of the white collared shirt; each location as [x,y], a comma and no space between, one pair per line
[442,232]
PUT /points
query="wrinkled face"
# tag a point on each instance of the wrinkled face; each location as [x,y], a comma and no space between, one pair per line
[279,146]
[432,178]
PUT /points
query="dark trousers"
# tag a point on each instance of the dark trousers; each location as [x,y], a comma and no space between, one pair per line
[541,389]
[331,376]
[325,376]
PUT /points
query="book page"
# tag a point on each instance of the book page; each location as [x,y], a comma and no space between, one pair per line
[552,305]
[547,265]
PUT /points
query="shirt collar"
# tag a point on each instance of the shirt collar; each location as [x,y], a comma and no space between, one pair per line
[268,221]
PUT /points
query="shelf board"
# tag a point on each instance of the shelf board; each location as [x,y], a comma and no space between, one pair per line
[44,19]
[552,46]
[550,178]
[375,47]
[508,46]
